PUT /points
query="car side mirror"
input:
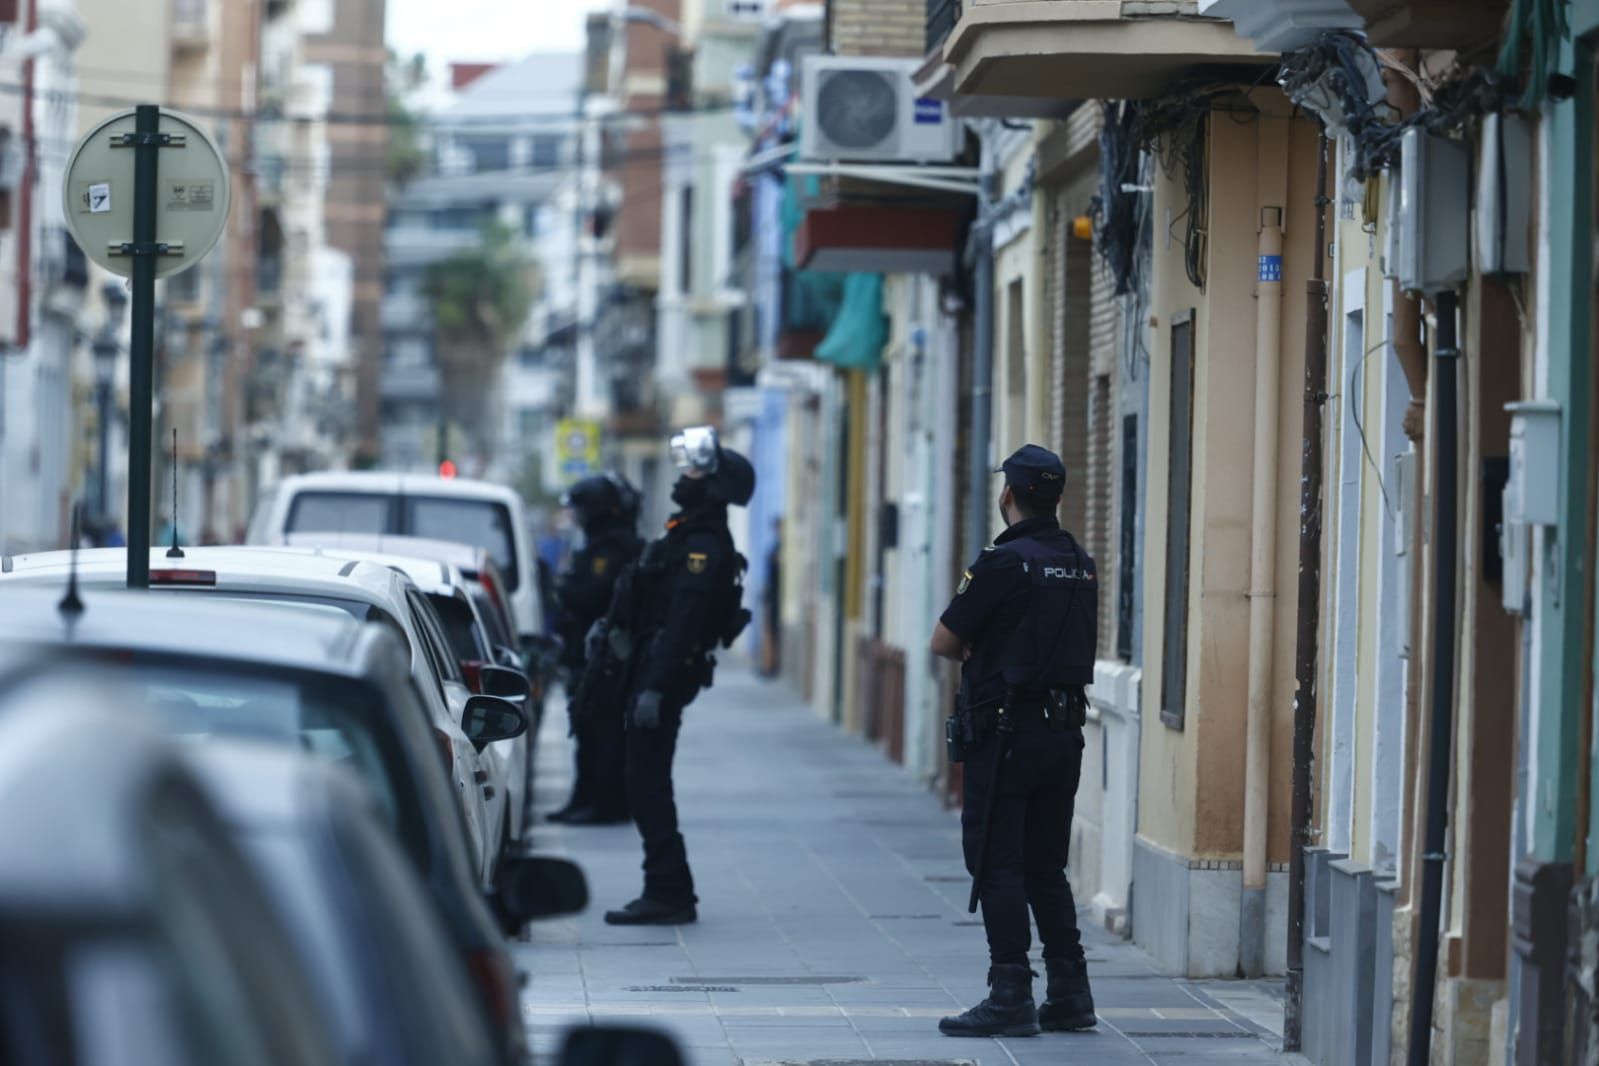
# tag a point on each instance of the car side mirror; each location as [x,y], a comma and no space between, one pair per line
[508,656]
[505,683]
[531,887]
[487,719]
[604,1045]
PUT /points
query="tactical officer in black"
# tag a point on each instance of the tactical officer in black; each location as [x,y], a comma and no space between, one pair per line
[606,509]
[685,594]
[1024,622]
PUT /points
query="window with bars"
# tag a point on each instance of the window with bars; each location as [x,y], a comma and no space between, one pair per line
[941,18]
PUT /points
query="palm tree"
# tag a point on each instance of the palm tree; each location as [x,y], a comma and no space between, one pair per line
[480,298]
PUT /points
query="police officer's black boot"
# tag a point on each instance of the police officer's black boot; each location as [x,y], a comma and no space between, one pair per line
[1008,1010]
[1068,1002]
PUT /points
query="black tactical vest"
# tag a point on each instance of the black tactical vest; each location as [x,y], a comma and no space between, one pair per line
[1054,645]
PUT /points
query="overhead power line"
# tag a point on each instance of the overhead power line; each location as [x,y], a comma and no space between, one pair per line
[343,118]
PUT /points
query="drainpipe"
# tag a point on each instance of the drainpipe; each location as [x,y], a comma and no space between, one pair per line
[1412,355]
[1446,432]
[1309,607]
[1262,591]
[979,467]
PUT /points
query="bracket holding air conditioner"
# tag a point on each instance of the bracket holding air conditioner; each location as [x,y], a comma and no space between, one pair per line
[959,180]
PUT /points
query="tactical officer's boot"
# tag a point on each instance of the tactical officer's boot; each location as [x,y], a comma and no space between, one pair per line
[1068,1002]
[1008,1010]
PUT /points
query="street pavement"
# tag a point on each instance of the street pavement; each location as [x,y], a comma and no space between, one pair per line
[833,925]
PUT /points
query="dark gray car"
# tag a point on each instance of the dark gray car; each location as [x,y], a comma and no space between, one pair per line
[381,963]
[315,679]
[132,931]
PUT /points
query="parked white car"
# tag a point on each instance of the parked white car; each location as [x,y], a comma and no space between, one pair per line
[466,634]
[478,513]
[366,590]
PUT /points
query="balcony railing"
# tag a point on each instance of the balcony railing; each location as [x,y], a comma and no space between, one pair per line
[941,18]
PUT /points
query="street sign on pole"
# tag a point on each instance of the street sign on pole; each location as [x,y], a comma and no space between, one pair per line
[146,196]
[577,449]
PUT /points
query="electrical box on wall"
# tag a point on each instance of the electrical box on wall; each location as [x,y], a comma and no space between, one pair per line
[1504,196]
[1513,541]
[1532,495]
[1434,196]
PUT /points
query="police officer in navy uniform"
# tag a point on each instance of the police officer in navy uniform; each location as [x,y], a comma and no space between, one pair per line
[1024,624]
[606,508]
[682,594]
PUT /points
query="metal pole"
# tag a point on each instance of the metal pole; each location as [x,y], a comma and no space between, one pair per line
[141,349]
[1309,610]
[1445,548]
[982,356]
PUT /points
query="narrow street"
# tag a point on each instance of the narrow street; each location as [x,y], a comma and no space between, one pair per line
[832,923]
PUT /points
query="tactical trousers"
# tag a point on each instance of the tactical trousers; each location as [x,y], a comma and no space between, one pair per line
[667,878]
[601,760]
[1029,840]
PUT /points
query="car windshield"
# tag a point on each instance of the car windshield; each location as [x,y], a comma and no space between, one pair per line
[360,610]
[460,628]
[483,524]
[340,512]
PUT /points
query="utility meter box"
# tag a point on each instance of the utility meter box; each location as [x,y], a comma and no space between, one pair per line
[1504,196]
[1532,493]
[1434,196]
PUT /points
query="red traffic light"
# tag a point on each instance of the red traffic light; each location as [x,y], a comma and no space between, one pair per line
[447,468]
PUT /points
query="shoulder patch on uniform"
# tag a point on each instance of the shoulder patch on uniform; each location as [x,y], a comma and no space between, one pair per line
[697,562]
[599,565]
[966,581]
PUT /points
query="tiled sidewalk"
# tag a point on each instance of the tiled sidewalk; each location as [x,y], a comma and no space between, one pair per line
[833,924]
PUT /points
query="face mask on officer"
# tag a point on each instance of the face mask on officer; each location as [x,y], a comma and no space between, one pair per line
[691,490]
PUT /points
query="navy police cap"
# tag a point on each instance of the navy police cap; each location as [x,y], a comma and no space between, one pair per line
[1035,471]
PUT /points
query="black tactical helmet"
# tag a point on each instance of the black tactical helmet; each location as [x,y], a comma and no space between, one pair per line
[598,499]
[632,499]
[734,479]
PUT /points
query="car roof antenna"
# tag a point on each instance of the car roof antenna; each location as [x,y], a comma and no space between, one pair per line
[174,552]
[71,604]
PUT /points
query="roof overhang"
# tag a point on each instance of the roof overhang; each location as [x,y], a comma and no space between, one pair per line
[1284,25]
[1431,23]
[935,80]
[1085,49]
[879,240]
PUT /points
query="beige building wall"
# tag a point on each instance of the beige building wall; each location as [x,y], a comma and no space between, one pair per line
[1192,780]
[1021,329]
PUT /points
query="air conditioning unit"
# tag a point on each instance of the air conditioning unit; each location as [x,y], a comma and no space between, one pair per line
[866,110]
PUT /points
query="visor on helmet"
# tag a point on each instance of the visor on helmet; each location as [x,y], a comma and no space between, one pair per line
[695,448]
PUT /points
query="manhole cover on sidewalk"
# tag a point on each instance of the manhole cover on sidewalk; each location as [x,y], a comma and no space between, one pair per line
[767,980]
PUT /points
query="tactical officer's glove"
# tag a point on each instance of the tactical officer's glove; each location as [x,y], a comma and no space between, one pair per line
[647,710]
[594,641]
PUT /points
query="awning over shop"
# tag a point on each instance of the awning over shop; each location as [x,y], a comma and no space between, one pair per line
[859,332]
[833,316]
[877,239]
